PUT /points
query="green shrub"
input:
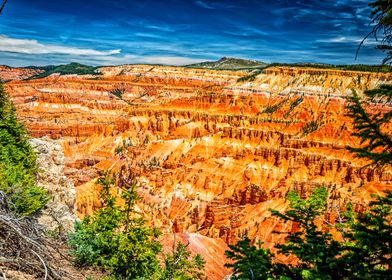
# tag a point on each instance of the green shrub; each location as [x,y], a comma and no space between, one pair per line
[310,127]
[18,167]
[272,108]
[119,92]
[294,104]
[179,265]
[115,237]
[249,261]
[363,253]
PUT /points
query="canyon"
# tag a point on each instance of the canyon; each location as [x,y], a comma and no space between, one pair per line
[212,150]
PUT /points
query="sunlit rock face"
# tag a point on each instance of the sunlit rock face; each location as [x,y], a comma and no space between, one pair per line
[211,154]
[60,212]
[8,73]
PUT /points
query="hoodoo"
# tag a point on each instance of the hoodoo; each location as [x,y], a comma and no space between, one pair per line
[212,150]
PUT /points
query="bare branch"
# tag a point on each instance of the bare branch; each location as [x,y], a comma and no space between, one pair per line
[2,6]
[43,263]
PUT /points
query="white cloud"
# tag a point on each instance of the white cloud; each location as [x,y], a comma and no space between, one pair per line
[340,39]
[204,5]
[132,59]
[347,39]
[29,46]
[23,52]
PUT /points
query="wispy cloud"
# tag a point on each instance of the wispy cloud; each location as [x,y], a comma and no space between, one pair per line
[183,32]
[166,60]
[204,5]
[340,39]
[347,39]
[30,46]
[13,50]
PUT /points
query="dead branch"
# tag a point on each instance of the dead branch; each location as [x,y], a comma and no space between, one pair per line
[2,6]
[24,244]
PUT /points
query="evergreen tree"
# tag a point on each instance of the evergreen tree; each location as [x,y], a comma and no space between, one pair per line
[372,128]
[179,265]
[316,251]
[381,19]
[18,167]
[116,237]
[249,261]
[368,255]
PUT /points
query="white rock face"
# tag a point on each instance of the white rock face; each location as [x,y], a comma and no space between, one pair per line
[60,212]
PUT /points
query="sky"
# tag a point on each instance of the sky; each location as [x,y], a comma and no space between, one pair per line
[179,32]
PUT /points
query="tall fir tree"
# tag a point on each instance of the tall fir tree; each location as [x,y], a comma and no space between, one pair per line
[18,166]
[372,129]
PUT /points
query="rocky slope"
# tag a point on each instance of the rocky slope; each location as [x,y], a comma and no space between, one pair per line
[8,73]
[212,152]
[60,212]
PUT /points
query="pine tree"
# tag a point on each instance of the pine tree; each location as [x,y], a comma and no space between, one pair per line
[316,251]
[249,261]
[381,20]
[368,254]
[372,128]
[179,265]
[116,237]
[18,166]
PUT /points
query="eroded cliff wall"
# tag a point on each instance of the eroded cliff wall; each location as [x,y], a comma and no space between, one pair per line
[211,154]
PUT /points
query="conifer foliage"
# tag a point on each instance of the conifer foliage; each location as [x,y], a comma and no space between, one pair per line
[179,265]
[381,21]
[364,252]
[116,238]
[250,261]
[17,162]
[372,129]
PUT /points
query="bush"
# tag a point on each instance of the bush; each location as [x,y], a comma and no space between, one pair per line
[180,266]
[115,237]
[364,252]
[18,167]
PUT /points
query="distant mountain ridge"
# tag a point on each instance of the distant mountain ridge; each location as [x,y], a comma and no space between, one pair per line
[254,67]
[66,69]
[230,63]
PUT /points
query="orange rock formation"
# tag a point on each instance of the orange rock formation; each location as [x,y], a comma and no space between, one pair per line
[8,74]
[211,154]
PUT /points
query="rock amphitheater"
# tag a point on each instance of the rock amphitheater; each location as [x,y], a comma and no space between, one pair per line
[212,152]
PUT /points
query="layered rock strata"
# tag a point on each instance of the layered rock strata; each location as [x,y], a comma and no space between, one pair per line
[211,152]
[8,73]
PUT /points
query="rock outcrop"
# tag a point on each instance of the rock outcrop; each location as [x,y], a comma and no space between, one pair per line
[211,152]
[59,214]
[9,74]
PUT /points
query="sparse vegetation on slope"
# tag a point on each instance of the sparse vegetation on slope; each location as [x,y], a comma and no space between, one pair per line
[251,77]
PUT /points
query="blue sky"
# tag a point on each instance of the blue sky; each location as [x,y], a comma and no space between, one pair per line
[178,32]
